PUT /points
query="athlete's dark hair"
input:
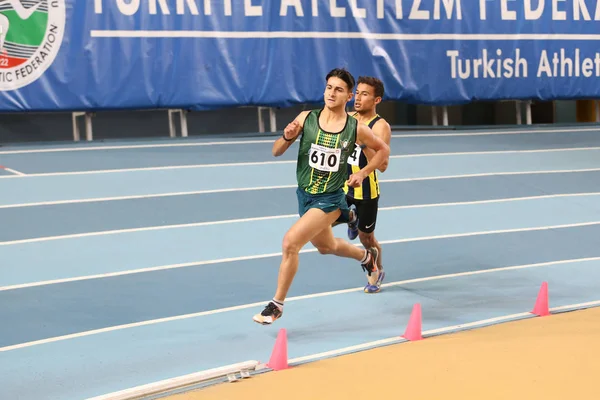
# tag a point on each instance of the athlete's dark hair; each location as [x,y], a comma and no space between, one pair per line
[374,82]
[344,75]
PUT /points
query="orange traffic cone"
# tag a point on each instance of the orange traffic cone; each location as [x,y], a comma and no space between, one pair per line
[413,329]
[541,307]
[279,357]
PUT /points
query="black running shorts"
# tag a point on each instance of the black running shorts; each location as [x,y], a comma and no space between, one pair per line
[367,213]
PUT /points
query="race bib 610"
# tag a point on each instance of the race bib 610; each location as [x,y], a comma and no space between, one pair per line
[324,159]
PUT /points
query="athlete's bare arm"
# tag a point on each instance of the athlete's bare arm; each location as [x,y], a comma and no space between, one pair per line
[382,130]
[291,132]
[381,152]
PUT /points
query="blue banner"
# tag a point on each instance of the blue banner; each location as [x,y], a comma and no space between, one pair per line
[205,54]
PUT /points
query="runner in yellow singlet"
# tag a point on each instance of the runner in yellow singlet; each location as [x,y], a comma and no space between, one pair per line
[365,198]
[327,141]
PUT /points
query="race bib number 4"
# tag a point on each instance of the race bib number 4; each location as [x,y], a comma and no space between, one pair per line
[324,159]
[355,156]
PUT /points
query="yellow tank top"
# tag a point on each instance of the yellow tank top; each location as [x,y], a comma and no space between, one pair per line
[357,160]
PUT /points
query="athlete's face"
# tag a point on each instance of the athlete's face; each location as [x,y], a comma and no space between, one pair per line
[337,93]
[365,98]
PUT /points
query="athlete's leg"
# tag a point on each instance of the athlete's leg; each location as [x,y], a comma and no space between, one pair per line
[314,226]
[326,243]
[307,228]
[311,223]
[368,240]
[367,215]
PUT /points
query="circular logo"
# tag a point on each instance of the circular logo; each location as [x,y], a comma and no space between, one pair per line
[31,32]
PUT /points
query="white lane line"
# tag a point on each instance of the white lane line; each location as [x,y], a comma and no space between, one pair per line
[491,133]
[147,196]
[488,152]
[145,229]
[267,255]
[13,171]
[256,163]
[143,270]
[285,216]
[296,298]
[141,169]
[261,141]
[137,146]
[198,192]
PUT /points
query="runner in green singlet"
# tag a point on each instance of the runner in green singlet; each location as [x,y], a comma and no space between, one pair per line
[328,139]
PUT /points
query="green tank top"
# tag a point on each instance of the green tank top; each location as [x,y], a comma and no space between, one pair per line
[323,156]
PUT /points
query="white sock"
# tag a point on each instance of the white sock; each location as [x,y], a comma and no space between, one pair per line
[366,258]
[278,303]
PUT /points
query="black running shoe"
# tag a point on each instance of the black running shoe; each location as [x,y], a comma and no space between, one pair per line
[268,315]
